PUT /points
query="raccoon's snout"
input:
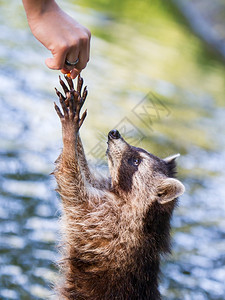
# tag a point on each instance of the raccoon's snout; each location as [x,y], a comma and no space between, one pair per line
[114,134]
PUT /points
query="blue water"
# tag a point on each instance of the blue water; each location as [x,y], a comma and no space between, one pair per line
[152,79]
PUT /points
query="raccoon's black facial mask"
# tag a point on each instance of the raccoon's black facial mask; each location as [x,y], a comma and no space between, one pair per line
[134,161]
[130,161]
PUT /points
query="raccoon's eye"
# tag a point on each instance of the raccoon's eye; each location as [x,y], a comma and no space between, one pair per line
[134,161]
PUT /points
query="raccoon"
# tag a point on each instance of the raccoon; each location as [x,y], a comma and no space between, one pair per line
[114,229]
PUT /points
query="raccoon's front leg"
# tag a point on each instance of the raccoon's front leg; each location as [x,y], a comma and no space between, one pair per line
[68,175]
[80,150]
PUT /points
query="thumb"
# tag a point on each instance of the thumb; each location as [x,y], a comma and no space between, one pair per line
[52,64]
[57,61]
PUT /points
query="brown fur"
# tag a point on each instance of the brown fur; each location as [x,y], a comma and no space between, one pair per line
[116,228]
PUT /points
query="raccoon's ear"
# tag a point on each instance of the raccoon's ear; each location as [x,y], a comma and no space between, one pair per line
[169,189]
[171,164]
[171,158]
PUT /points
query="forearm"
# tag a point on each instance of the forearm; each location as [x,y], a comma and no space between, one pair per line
[83,161]
[69,177]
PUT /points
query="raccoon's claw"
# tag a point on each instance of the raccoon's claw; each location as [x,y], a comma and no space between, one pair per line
[82,118]
[58,111]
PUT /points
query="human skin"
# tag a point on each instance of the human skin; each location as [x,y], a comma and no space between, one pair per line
[59,33]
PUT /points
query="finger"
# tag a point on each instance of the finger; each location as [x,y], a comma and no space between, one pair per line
[70,82]
[85,92]
[82,61]
[71,106]
[57,62]
[58,111]
[79,84]
[84,96]
[82,118]
[78,105]
[71,56]
[81,65]
[76,96]
[64,107]
[74,73]
[83,55]
[88,48]
[65,71]
[59,94]
[63,85]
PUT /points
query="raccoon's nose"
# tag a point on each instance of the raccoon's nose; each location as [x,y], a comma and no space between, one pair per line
[114,134]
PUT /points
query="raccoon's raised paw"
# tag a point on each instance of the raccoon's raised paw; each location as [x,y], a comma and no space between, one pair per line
[71,104]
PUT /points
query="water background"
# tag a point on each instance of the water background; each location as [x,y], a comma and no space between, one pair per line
[163,88]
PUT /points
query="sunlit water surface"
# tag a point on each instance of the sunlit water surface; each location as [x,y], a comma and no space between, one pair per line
[152,79]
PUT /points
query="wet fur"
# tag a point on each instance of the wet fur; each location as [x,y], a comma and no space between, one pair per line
[114,230]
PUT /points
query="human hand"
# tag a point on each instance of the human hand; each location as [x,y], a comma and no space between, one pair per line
[61,34]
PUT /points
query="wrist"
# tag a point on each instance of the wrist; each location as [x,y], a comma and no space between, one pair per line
[35,9]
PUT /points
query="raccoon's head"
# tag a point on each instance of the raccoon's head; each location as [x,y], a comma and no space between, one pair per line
[137,173]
